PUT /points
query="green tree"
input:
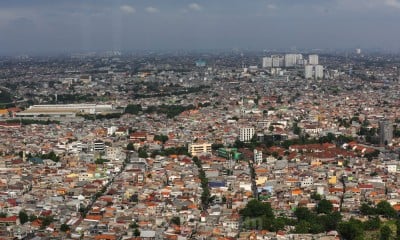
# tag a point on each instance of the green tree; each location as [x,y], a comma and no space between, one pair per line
[366,209]
[161,138]
[3,214]
[142,153]
[303,213]
[255,208]
[330,221]
[386,209]
[385,233]
[130,147]
[64,227]
[136,232]
[315,196]
[324,206]
[351,229]
[176,220]
[302,227]
[373,223]
[23,217]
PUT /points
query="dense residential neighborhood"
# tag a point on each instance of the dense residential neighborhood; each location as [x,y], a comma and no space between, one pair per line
[200,146]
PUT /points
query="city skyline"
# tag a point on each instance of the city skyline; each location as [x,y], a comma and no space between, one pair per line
[72,26]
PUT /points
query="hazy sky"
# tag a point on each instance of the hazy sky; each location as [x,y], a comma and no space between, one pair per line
[34,26]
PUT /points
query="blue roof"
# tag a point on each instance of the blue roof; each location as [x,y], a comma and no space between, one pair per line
[36,160]
[216,184]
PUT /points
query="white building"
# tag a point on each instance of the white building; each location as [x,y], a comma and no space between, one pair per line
[267,62]
[313,71]
[291,59]
[257,157]
[318,71]
[308,71]
[313,59]
[245,134]
[306,182]
[277,61]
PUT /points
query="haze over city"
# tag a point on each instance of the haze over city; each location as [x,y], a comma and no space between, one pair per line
[47,26]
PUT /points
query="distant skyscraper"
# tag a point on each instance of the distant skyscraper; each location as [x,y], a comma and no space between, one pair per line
[267,62]
[318,71]
[290,60]
[277,61]
[308,71]
[385,132]
[313,59]
[358,50]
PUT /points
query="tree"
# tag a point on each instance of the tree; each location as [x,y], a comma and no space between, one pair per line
[373,223]
[136,232]
[330,221]
[385,232]
[386,209]
[351,229]
[130,147]
[176,220]
[255,208]
[366,209]
[324,206]
[315,196]
[161,138]
[271,128]
[23,217]
[303,213]
[142,153]
[3,214]
[64,227]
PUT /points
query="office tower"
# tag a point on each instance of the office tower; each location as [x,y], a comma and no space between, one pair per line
[385,132]
[358,51]
[318,71]
[308,71]
[267,62]
[246,134]
[313,59]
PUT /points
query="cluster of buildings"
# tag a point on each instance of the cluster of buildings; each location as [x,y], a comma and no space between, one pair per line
[100,189]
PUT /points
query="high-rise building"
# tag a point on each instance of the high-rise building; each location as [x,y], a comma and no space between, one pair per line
[290,60]
[257,156]
[358,50]
[267,62]
[308,71]
[318,71]
[246,134]
[277,61]
[385,132]
[313,59]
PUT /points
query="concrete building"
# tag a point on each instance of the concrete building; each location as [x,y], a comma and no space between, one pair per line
[318,71]
[308,71]
[291,59]
[313,59]
[385,132]
[198,148]
[245,134]
[257,156]
[67,110]
[267,62]
[277,61]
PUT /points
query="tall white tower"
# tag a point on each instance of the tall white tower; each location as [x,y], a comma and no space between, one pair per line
[313,59]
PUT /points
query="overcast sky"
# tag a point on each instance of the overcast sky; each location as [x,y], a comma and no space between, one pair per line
[35,26]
